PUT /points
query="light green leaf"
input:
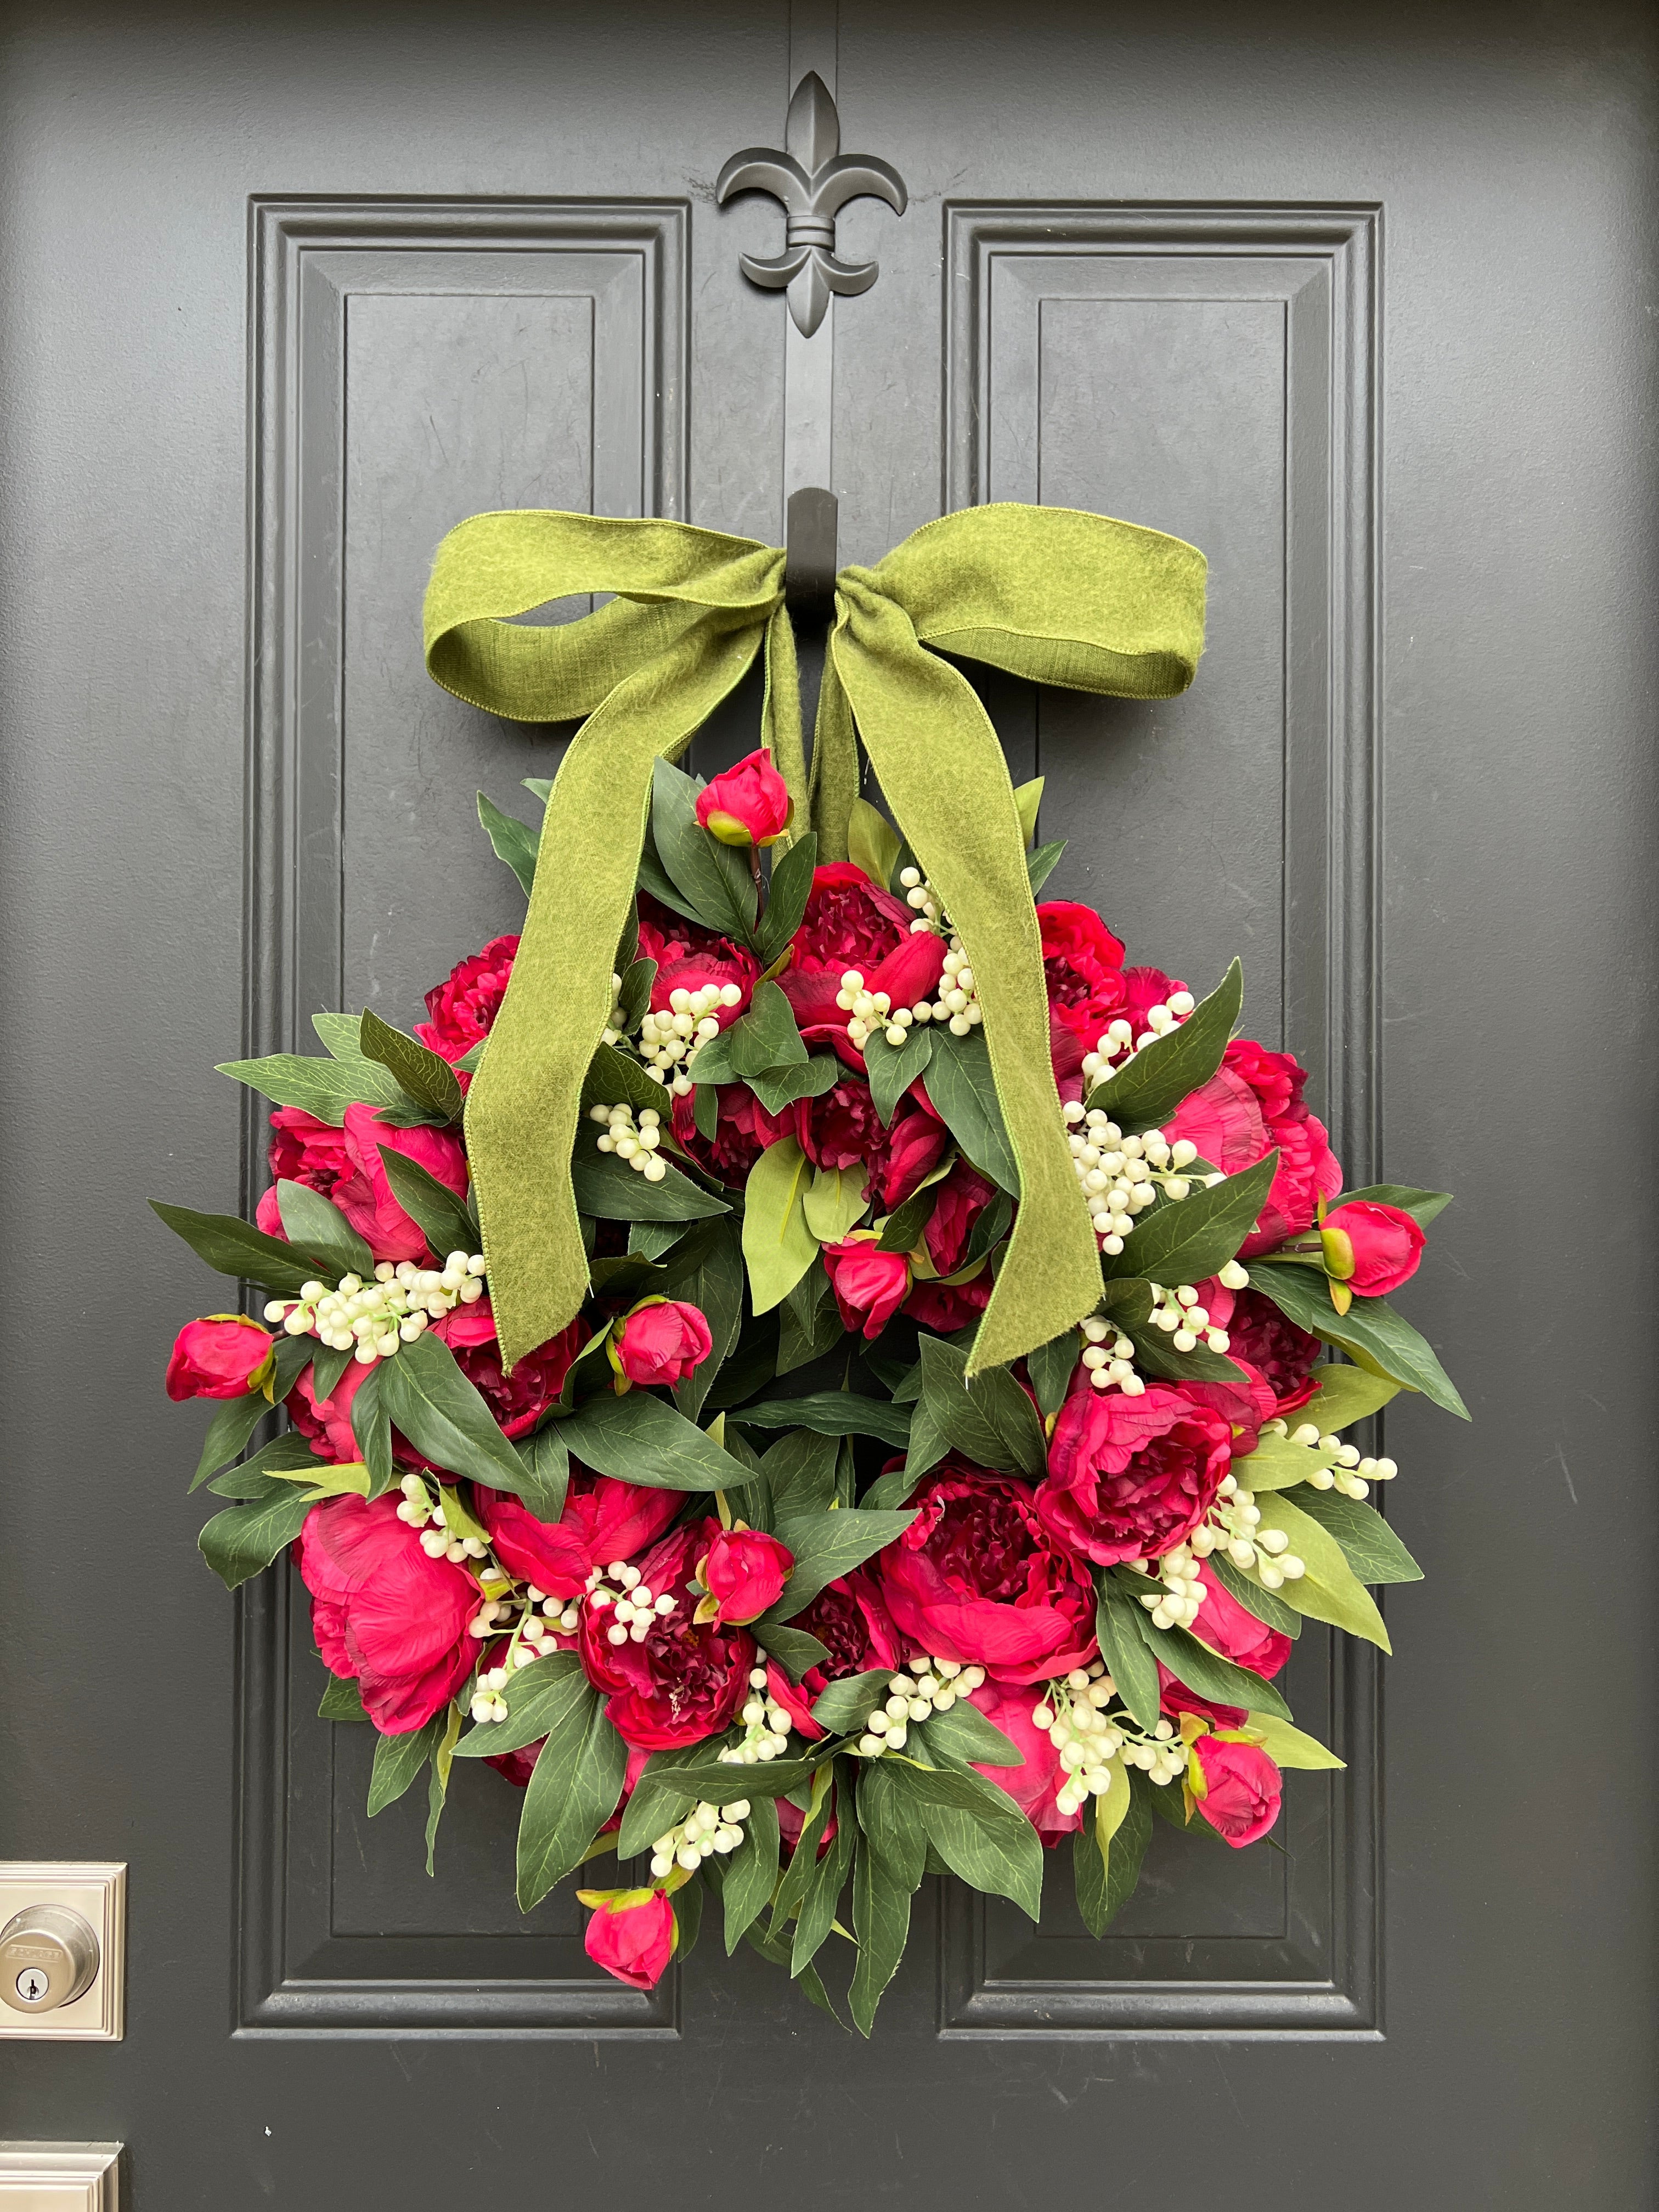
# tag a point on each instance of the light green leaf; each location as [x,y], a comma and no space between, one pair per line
[1154,1083]
[1345,1395]
[1286,1745]
[836,1203]
[573,1788]
[1027,797]
[778,1247]
[1329,1590]
[1368,1545]
[960,1084]
[640,1438]
[873,843]
[398,1759]
[322,1087]
[1279,1462]
[514,841]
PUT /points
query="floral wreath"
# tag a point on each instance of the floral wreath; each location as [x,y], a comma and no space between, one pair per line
[728,1485]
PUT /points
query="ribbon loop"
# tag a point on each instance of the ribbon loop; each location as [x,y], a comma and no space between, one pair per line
[1053,594]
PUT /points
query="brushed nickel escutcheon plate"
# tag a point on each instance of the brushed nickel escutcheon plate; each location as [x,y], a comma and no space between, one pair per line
[95,1893]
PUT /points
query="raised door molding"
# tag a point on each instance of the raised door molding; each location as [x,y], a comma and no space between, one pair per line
[36,2176]
[1212,371]
[413,362]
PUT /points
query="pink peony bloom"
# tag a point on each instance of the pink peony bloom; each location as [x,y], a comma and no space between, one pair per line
[1084,964]
[1035,1786]
[364,1194]
[1130,1478]
[870,1285]
[633,1937]
[1242,1790]
[463,1008]
[747,805]
[663,1343]
[302,1150]
[850,1618]
[686,1680]
[1371,1248]
[744,1570]
[603,1520]
[224,1356]
[383,1614]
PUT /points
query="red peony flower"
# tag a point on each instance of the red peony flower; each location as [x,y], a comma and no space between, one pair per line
[743,1130]
[841,1129]
[976,1577]
[963,1197]
[549,1554]
[224,1356]
[663,1343]
[1130,1478]
[345,1165]
[1259,1337]
[302,1150]
[915,1147]
[747,805]
[947,1308]
[1371,1248]
[781,1691]
[1143,989]
[1241,1789]
[850,1618]
[688,959]
[1084,964]
[632,1935]
[1224,1120]
[744,1570]
[1035,1786]
[682,1683]
[870,1285]
[616,1519]
[464,1007]
[383,1614]
[1308,1169]
[849,922]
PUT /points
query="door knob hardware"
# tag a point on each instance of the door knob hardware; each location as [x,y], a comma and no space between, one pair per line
[63,1944]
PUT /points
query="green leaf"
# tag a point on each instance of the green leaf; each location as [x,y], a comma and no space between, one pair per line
[829,1545]
[1279,1462]
[962,1733]
[1371,1332]
[836,1203]
[766,1036]
[1149,1089]
[1329,1590]
[786,895]
[715,1286]
[1089,1874]
[371,1425]
[980,1833]
[832,1414]
[1041,862]
[316,1225]
[893,1068]
[1027,797]
[233,1424]
[339,1035]
[1126,1849]
[650,1240]
[706,1109]
[751,1871]
[1263,1604]
[657,1803]
[1286,1745]
[778,1247]
[253,1478]
[327,1367]
[873,843]
[633,1000]
[398,1759]
[341,1700]
[1205,1671]
[613,1190]
[442,1218]
[540,1698]
[906,1224]
[1368,1544]
[890,1814]
[1130,1664]
[844,1705]
[514,841]
[960,1084]
[794,1649]
[616,1078]
[233,1246]
[640,1438]
[1051,1367]
[800,1470]
[426,1395]
[1183,1241]
[546,1475]
[322,1087]
[990,1419]
[881,1922]
[714,879]
[242,1541]
[573,1788]
[809,1322]
[782,1086]
[1423,1205]
[817,1907]
[437,1791]
[1345,1395]
[423,1074]
[718,1780]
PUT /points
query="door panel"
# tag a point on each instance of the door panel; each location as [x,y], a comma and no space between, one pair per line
[1353,302]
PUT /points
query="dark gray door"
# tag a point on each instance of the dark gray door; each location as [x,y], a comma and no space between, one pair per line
[1353,298]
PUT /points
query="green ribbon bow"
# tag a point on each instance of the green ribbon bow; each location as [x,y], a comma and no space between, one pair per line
[1060,597]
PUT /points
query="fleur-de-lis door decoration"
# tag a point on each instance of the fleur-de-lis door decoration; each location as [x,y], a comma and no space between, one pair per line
[814,179]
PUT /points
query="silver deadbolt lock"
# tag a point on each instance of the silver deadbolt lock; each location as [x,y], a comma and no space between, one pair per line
[48,1957]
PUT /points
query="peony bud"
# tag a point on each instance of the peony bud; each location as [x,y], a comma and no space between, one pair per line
[662,1341]
[223,1356]
[1241,1789]
[1372,1248]
[870,1285]
[744,1571]
[631,1935]
[748,806]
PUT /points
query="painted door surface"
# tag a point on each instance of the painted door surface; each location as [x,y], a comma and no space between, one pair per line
[1354,299]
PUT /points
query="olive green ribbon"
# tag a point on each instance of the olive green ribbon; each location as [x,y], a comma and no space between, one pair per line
[1060,597]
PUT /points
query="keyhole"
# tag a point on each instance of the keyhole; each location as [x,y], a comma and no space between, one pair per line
[32,1985]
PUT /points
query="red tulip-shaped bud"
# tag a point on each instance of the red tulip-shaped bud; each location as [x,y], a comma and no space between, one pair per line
[1372,1248]
[222,1356]
[631,1935]
[748,806]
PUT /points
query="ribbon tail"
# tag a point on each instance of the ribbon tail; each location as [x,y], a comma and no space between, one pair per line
[941,768]
[835,779]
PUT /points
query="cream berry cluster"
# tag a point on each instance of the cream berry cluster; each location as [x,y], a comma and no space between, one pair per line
[870,1012]
[1234,1526]
[765,1727]
[635,1142]
[666,1039]
[632,1604]
[706,1830]
[1179,1314]
[1107,1355]
[1119,1176]
[926,1687]
[1072,1715]
[1352,1476]
[374,1320]
[424,1508]
[1118,1044]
